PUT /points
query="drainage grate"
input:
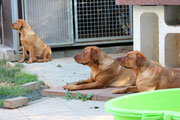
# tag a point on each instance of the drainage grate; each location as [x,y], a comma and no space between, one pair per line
[101,19]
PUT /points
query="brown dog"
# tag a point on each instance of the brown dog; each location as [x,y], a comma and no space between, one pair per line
[39,51]
[105,71]
[150,74]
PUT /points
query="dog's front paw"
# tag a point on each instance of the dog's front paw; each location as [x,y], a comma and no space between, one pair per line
[115,91]
[65,86]
[30,61]
[119,91]
[70,87]
[21,61]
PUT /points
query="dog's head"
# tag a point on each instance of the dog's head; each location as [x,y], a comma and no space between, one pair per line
[88,56]
[132,60]
[19,24]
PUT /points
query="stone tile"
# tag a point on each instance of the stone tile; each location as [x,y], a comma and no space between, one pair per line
[57,91]
[54,116]
[85,110]
[98,94]
[15,102]
[31,86]
[79,117]
[80,106]
[96,114]
[54,76]
[7,114]
[48,106]
[58,109]
[102,117]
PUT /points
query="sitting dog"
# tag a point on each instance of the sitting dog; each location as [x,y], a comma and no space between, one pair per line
[150,74]
[38,50]
[105,71]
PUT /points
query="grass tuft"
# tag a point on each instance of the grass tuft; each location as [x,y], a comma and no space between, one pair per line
[10,80]
[11,91]
[14,75]
[1,103]
[3,62]
[23,78]
[19,66]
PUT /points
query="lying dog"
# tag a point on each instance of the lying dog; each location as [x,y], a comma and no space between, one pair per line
[105,71]
[39,51]
[150,74]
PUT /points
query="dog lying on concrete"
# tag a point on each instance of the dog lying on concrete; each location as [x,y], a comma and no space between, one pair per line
[150,74]
[105,71]
[38,50]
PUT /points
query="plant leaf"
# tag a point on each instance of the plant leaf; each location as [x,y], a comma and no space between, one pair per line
[79,96]
[68,96]
[89,96]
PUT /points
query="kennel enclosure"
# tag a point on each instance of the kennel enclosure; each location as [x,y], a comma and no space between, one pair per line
[79,22]
[66,23]
[100,20]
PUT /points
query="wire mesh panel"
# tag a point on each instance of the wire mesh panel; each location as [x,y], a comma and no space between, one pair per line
[101,20]
[52,20]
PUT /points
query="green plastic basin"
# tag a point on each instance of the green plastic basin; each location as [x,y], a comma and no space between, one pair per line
[154,105]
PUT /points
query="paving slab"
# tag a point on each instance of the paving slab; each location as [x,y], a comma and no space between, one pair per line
[31,86]
[98,94]
[45,107]
[11,114]
[15,102]
[85,109]
[54,76]
[56,108]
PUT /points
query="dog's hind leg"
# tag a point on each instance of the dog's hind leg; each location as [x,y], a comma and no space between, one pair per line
[47,55]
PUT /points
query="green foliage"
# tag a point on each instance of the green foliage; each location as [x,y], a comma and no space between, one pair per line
[11,91]
[1,103]
[22,78]
[59,66]
[79,96]
[19,66]
[68,96]
[14,75]
[7,75]
[42,82]
[3,62]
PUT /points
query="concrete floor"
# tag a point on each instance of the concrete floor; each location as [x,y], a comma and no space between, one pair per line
[57,109]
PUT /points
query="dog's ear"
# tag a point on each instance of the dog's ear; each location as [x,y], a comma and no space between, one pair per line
[95,54]
[140,59]
[20,24]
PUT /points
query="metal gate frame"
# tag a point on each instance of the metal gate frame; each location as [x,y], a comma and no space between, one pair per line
[77,40]
[1,24]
